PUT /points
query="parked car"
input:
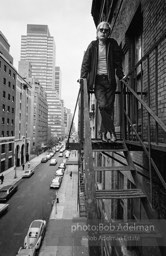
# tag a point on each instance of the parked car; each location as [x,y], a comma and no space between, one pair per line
[56,182]
[26,252]
[28,173]
[44,160]
[48,157]
[62,150]
[67,154]
[53,161]
[35,234]
[59,172]
[51,154]
[7,191]
[60,154]
[3,208]
[62,166]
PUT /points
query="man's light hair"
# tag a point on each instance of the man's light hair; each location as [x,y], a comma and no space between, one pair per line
[102,23]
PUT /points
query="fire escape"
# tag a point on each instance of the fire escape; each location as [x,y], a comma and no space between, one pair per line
[145,134]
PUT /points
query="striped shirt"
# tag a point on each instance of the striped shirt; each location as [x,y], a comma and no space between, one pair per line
[102,64]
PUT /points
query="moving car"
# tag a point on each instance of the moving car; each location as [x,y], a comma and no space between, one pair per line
[35,234]
[28,173]
[53,161]
[60,154]
[7,191]
[56,182]
[44,160]
[59,172]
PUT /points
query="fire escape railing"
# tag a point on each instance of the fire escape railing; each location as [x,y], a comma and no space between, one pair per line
[147,149]
[141,124]
[144,94]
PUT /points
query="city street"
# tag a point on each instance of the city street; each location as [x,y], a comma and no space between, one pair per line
[33,200]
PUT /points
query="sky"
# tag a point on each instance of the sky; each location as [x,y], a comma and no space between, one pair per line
[70,23]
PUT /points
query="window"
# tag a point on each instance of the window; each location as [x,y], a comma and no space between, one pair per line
[3,107]
[12,133]
[134,41]
[10,146]
[14,75]
[3,120]
[13,87]
[8,121]
[9,84]
[5,68]
[3,133]
[3,166]
[12,110]
[4,81]
[3,148]
[12,98]
[8,96]
[7,133]
[10,72]
[12,122]
[8,109]
[9,162]
[4,94]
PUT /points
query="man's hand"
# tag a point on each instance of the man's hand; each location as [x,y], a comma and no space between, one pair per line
[125,78]
[79,80]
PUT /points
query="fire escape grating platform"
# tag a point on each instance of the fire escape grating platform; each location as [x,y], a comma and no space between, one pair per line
[119,194]
[114,168]
[99,145]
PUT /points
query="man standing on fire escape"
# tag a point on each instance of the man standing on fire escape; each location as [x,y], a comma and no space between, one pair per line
[102,59]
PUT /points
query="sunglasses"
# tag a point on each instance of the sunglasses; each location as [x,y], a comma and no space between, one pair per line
[104,30]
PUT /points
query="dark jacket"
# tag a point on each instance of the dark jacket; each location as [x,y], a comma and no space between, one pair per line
[114,62]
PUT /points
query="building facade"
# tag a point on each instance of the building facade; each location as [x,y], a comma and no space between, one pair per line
[67,121]
[39,110]
[139,28]
[8,76]
[39,118]
[22,121]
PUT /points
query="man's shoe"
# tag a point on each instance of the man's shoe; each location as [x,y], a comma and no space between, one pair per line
[113,137]
[104,137]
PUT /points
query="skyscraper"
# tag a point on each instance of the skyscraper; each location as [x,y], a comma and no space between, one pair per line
[58,80]
[38,47]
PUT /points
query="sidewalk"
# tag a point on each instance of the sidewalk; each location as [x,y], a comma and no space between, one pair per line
[59,239]
[12,177]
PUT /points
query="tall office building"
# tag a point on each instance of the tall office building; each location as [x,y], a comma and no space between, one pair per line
[58,82]
[55,117]
[38,47]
